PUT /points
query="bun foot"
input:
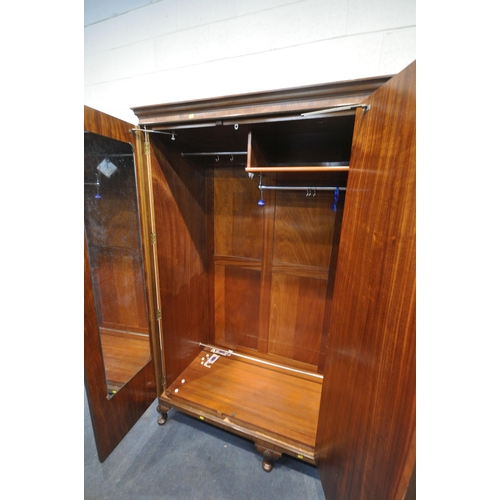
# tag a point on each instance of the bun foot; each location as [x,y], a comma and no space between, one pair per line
[269,457]
[267,465]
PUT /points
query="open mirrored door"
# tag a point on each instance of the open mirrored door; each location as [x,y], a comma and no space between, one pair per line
[120,339]
[112,234]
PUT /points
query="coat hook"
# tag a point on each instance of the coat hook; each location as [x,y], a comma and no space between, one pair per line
[336,195]
[217,158]
[261,202]
[98,194]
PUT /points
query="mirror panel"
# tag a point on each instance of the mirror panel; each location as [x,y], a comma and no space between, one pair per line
[113,237]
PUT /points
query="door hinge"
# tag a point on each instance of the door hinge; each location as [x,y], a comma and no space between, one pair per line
[163,380]
[147,148]
[153,238]
[158,314]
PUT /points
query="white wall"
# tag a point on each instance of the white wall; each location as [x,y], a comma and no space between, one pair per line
[139,52]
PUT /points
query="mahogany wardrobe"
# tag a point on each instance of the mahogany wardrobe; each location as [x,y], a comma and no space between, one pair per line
[250,261]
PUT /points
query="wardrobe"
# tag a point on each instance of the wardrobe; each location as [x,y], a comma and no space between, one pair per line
[274,275]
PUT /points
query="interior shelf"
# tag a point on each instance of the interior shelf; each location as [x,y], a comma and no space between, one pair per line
[273,406]
[298,168]
[320,145]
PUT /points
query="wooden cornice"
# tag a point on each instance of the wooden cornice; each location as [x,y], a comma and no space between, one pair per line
[253,105]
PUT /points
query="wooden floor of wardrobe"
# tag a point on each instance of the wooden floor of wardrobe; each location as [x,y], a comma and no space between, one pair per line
[264,403]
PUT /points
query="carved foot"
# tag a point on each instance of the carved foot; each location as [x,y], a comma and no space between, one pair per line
[267,463]
[162,419]
[269,457]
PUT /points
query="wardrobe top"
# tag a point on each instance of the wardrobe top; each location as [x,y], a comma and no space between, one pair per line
[267,103]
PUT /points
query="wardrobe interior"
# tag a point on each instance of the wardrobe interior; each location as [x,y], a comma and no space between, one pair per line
[248,219]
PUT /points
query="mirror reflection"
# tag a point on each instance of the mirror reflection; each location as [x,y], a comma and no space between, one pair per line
[112,232]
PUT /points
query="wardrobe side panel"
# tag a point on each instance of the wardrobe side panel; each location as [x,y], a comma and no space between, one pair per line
[180,200]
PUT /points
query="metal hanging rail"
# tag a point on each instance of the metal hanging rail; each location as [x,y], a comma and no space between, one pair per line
[171,134]
[337,109]
[227,352]
[216,153]
[310,191]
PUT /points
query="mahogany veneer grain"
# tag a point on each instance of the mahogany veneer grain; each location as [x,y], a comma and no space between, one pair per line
[366,430]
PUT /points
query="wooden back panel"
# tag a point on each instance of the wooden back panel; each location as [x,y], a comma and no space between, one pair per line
[238,224]
[273,266]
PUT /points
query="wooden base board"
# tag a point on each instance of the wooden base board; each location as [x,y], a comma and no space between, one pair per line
[274,407]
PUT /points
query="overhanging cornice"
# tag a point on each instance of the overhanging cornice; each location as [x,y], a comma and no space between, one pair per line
[269,103]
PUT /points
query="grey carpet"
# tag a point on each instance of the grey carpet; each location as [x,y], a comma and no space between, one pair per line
[190,460]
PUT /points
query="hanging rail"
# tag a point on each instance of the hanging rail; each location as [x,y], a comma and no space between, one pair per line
[303,188]
[227,352]
[310,191]
[337,109]
[171,134]
[216,153]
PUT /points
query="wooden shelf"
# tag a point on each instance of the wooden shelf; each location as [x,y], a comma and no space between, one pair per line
[299,168]
[261,159]
[273,407]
